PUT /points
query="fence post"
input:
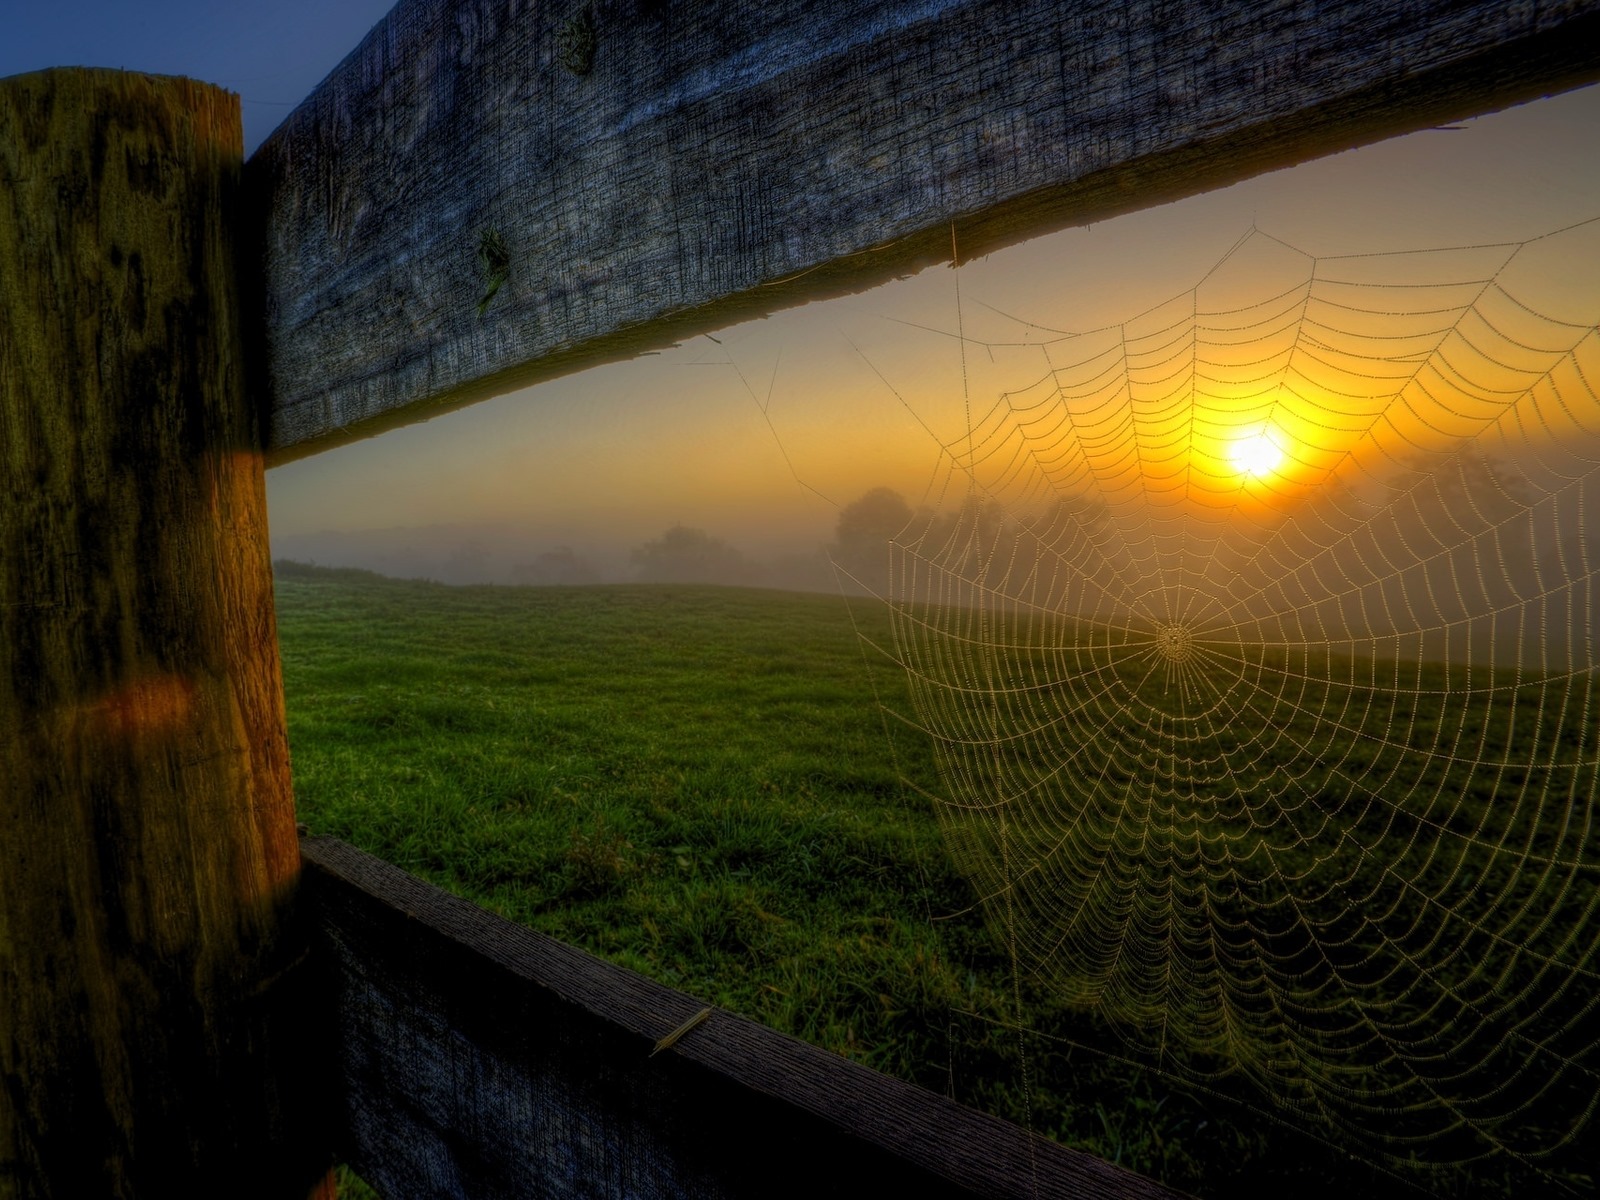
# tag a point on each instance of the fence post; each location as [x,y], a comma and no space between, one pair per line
[150,967]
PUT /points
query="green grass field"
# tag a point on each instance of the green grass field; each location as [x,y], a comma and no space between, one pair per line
[696,783]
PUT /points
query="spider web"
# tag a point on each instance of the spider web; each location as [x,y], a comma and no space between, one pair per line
[1256,640]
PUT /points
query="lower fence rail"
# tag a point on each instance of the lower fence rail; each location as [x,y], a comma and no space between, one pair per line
[480,1059]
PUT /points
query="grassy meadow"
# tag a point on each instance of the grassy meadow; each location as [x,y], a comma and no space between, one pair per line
[696,783]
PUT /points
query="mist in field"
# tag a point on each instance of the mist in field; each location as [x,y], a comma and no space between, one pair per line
[528,556]
[851,555]
[1499,568]
[740,458]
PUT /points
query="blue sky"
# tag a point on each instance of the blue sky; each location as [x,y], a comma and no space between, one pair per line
[272,53]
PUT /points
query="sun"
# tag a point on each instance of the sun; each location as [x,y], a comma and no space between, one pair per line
[1258,455]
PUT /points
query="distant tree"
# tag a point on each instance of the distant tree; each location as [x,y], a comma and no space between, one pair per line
[560,567]
[862,537]
[1456,540]
[975,543]
[1069,556]
[685,555]
[1462,493]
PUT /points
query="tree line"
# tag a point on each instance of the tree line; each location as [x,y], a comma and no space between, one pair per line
[1461,543]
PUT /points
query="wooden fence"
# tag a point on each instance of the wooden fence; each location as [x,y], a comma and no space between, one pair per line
[484,194]
[478,1058]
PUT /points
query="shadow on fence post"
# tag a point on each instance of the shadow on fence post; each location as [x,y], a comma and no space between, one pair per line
[150,966]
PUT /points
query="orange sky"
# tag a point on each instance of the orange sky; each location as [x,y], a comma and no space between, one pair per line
[762,434]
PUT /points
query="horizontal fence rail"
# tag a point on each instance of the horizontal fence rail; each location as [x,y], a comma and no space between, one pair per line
[487,193]
[479,1058]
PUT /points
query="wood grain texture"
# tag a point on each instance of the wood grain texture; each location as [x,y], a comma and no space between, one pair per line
[148,855]
[482,1059]
[718,160]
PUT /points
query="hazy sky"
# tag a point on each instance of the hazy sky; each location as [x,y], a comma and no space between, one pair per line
[764,432]
[769,429]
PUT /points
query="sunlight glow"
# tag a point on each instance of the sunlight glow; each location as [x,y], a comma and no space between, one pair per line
[1257,455]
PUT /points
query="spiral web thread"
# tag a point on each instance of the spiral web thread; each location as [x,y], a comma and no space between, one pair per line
[1256,640]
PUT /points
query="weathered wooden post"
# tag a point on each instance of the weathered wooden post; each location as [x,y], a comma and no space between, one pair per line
[148,857]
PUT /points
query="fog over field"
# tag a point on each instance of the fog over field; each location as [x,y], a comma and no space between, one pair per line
[758,438]
[530,555]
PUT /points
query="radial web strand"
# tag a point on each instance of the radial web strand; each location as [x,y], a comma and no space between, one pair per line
[1256,640]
